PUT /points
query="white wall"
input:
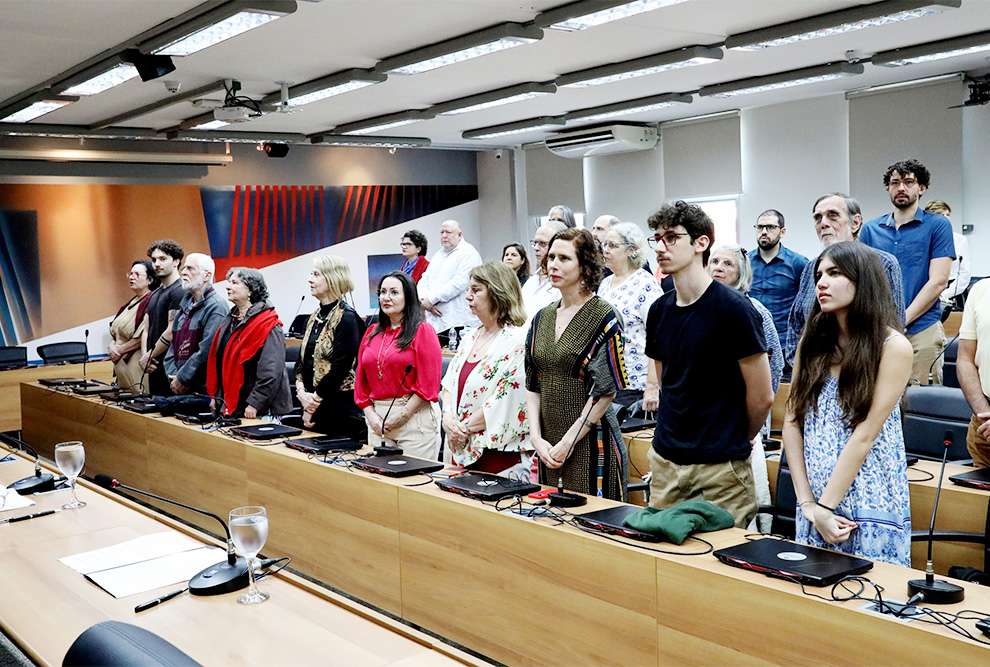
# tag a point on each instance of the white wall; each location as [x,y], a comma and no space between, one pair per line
[626,185]
[976,193]
[497,214]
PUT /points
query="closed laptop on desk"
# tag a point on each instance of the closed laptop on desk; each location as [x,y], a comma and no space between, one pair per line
[976,479]
[789,560]
[397,465]
[486,486]
[323,445]
[612,520]
[265,431]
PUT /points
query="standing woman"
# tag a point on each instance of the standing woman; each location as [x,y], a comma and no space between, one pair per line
[400,357]
[413,248]
[514,256]
[484,394]
[127,328]
[574,368]
[632,291]
[328,357]
[843,433]
[245,372]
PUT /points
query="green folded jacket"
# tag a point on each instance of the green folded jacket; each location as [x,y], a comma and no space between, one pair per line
[678,522]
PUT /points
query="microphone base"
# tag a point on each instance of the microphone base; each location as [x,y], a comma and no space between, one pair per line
[34,484]
[220,578]
[558,499]
[388,450]
[937,592]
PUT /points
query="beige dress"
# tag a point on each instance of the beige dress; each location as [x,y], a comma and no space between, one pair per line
[123,328]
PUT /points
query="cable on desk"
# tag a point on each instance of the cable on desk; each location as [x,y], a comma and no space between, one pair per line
[931,476]
[265,575]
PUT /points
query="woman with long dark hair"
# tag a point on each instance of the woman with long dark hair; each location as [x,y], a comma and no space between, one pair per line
[400,357]
[514,256]
[842,434]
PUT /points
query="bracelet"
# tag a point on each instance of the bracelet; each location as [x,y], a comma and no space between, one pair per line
[825,507]
[806,502]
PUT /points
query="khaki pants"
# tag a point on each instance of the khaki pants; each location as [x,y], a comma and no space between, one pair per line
[419,437]
[928,358]
[977,445]
[728,485]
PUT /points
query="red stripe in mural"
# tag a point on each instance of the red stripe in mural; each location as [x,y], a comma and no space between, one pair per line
[265,221]
[293,191]
[233,221]
[323,238]
[245,218]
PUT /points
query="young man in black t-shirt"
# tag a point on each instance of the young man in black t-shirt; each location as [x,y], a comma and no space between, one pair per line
[166,256]
[707,342]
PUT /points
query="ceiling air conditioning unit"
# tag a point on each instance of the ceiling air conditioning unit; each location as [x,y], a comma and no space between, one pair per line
[603,140]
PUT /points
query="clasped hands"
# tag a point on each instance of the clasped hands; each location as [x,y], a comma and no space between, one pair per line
[457,431]
[832,527]
[430,307]
[553,456]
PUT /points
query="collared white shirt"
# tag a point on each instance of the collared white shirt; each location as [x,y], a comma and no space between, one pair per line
[537,293]
[445,283]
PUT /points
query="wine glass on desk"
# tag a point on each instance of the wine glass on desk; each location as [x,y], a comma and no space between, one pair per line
[249,531]
[70,457]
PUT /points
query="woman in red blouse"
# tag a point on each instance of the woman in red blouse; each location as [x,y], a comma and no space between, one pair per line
[400,356]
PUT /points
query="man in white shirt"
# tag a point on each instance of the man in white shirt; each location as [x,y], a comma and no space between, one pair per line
[445,282]
[538,291]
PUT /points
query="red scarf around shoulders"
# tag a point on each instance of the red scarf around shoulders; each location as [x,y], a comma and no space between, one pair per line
[244,343]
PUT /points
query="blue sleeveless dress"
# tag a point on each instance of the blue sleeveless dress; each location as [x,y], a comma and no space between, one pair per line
[878,499]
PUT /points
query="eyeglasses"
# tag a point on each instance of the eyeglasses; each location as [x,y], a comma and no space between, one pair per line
[539,244]
[906,182]
[766,228]
[669,239]
[406,245]
[608,245]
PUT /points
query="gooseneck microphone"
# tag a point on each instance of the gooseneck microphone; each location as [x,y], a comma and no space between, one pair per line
[296,314]
[936,591]
[225,577]
[561,498]
[394,399]
[85,357]
[39,481]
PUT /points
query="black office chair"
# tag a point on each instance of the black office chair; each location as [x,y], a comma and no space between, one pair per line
[116,644]
[298,327]
[927,412]
[13,357]
[949,378]
[63,353]
[784,508]
[983,538]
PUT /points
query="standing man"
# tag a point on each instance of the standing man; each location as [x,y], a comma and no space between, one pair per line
[707,343]
[922,243]
[445,282]
[776,271]
[200,314]
[538,291]
[973,370]
[837,218]
[603,223]
[166,256]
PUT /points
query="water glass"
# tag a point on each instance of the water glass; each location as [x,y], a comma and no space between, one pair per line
[70,457]
[249,531]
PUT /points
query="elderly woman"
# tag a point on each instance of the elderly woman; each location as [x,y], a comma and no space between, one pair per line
[413,248]
[483,391]
[245,372]
[328,356]
[398,372]
[573,371]
[514,256]
[729,264]
[632,291]
[128,326]
[562,214]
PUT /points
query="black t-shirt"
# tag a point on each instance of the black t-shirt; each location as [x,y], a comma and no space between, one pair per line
[702,416]
[161,302]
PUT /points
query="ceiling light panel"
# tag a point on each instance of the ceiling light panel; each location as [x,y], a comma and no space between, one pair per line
[494,46]
[105,81]
[762,84]
[494,98]
[509,129]
[616,13]
[324,93]
[210,125]
[923,53]
[218,32]
[383,126]
[36,110]
[629,107]
[630,69]
[494,103]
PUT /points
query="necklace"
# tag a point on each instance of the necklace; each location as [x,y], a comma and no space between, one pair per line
[481,344]
[384,350]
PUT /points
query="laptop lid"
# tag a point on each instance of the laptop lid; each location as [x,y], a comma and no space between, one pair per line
[265,431]
[789,560]
[976,479]
[322,445]
[397,465]
[633,424]
[611,521]
[91,387]
[486,486]
[60,382]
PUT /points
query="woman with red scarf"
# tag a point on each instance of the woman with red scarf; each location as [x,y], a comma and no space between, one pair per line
[128,326]
[246,371]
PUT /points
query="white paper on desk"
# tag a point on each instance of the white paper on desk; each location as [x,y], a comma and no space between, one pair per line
[11,500]
[151,574]
[133,551]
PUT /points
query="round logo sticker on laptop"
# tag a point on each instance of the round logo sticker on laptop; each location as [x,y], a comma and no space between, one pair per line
[791,555]
[487,482]
[397,462]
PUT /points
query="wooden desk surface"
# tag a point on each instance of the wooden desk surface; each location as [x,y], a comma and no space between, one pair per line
[10,385]
[515,589]
[298,625]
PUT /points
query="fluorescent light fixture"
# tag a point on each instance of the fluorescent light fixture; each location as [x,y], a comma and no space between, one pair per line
[661,62]
[386,122]
[68,155]
[620,11]
[628,107]
[210,125]
[839,22]
[798,77]
[36,110]
[473,45]
[380,142]
[520,127]
[247,137]
[494,98]
[324,93]
[218,32]
[105,81]
[931,51]
[383,126]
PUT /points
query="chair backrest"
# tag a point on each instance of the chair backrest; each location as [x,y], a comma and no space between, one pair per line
[63,353]
[928,412]
[292,353]
[13,357]
[949,378]
[112,643]
[784,503]
[298,327]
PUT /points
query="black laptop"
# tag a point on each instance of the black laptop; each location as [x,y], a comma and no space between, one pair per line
[397,465]
[796,562]
[91,388]
[486,486]
[611,521]
[634,424]
[323,445]
[60,382]
[265,431]
[142,405]
[978,478]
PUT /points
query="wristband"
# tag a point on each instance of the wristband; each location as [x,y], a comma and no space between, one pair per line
[825,507]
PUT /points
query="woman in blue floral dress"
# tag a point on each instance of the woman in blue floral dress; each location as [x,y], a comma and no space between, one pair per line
[842,435]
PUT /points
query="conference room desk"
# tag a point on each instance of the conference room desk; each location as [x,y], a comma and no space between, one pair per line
[517,590]
[10,385]
[46,604]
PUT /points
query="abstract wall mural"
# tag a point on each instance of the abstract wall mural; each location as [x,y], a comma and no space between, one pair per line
[20,276]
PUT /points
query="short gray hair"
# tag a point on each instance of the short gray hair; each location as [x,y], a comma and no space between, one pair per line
[555,225]
[253,280]
[634,239]
[745,279]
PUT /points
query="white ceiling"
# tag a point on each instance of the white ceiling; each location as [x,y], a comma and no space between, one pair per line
[39,39]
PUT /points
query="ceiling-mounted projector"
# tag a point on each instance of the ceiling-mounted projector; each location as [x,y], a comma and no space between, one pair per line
[234,114]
